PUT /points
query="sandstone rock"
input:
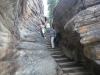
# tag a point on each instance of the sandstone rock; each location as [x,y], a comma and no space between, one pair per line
[78,22]
[8,67]
[23,51]
[87,25]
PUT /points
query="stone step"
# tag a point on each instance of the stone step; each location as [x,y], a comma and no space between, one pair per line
[83,73]
[54,49]
[48,43]
[72,65]
[57,59]
[76,70]
[56,53]
[68,63]
[51,48]
[77,73]
[81,70]
[72,68]
[65,61]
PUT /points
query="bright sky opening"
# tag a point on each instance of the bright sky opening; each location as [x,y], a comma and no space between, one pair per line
[45,7]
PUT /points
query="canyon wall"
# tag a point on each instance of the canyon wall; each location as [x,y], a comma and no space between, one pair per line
[23,50]
[78,34]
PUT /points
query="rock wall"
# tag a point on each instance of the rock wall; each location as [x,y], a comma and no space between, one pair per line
[86,23]
[23,50]
[77,25]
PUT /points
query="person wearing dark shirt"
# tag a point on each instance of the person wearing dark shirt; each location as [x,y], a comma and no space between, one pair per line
[52,36]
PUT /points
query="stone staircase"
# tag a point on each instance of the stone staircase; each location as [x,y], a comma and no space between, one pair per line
[69,67]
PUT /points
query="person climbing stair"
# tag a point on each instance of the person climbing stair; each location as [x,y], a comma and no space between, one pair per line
[52,36]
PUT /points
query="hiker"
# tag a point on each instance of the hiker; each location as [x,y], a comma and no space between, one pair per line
[48,28]
[52,36]
[42,30]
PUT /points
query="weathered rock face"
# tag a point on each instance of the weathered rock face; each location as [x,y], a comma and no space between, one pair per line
[65,10]
[86,23]
[80,39]
[22,49]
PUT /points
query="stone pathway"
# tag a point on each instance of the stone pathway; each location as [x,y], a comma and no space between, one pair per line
[69,67]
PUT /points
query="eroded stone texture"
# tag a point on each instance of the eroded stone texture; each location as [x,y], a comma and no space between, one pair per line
[80,39]
[23,51]
[86,23]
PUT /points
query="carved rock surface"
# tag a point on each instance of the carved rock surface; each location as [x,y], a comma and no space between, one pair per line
[23,51]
